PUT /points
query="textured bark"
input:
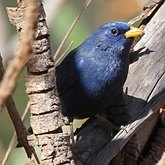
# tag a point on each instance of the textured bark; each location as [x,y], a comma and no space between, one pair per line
[17,122]
[46,119]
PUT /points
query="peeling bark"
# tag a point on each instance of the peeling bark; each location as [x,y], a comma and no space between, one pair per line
[46,119]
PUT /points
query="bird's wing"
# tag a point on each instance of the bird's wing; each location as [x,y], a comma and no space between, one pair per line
[66,74]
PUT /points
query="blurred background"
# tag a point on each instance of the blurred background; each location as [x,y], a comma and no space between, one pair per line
[60,15]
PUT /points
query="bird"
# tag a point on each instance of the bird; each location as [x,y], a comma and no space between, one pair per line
[91,76]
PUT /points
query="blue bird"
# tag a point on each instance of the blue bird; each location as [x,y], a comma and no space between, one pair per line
[92,76]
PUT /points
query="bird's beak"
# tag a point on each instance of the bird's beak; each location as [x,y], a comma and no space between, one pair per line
[133,32]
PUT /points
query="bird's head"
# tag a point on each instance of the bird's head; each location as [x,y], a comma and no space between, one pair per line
[115,35]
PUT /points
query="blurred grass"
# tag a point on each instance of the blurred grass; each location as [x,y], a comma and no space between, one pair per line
[59,27]
[96,14]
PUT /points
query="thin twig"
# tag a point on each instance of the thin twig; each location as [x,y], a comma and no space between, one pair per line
[64,54]
[13,140]
[10,78]
[24,52]
[86,4]
[17,122]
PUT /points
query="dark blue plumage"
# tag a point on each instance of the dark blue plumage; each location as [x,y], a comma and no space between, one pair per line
[92,75]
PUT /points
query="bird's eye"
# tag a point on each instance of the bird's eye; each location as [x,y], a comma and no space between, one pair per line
[114,31]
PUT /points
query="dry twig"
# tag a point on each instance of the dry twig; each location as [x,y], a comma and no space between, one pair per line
[86,4]
[17,122]
[13,140]
[23,53]
[64,54]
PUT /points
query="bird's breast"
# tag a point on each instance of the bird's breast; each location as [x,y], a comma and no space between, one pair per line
[98,78]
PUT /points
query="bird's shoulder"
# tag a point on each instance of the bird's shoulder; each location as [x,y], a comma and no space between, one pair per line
[66,74]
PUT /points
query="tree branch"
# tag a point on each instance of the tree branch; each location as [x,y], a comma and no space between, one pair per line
[17,122]
[46,119]
[13,140]
[23,54]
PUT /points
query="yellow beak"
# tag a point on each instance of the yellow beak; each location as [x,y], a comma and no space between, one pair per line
[133,32]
